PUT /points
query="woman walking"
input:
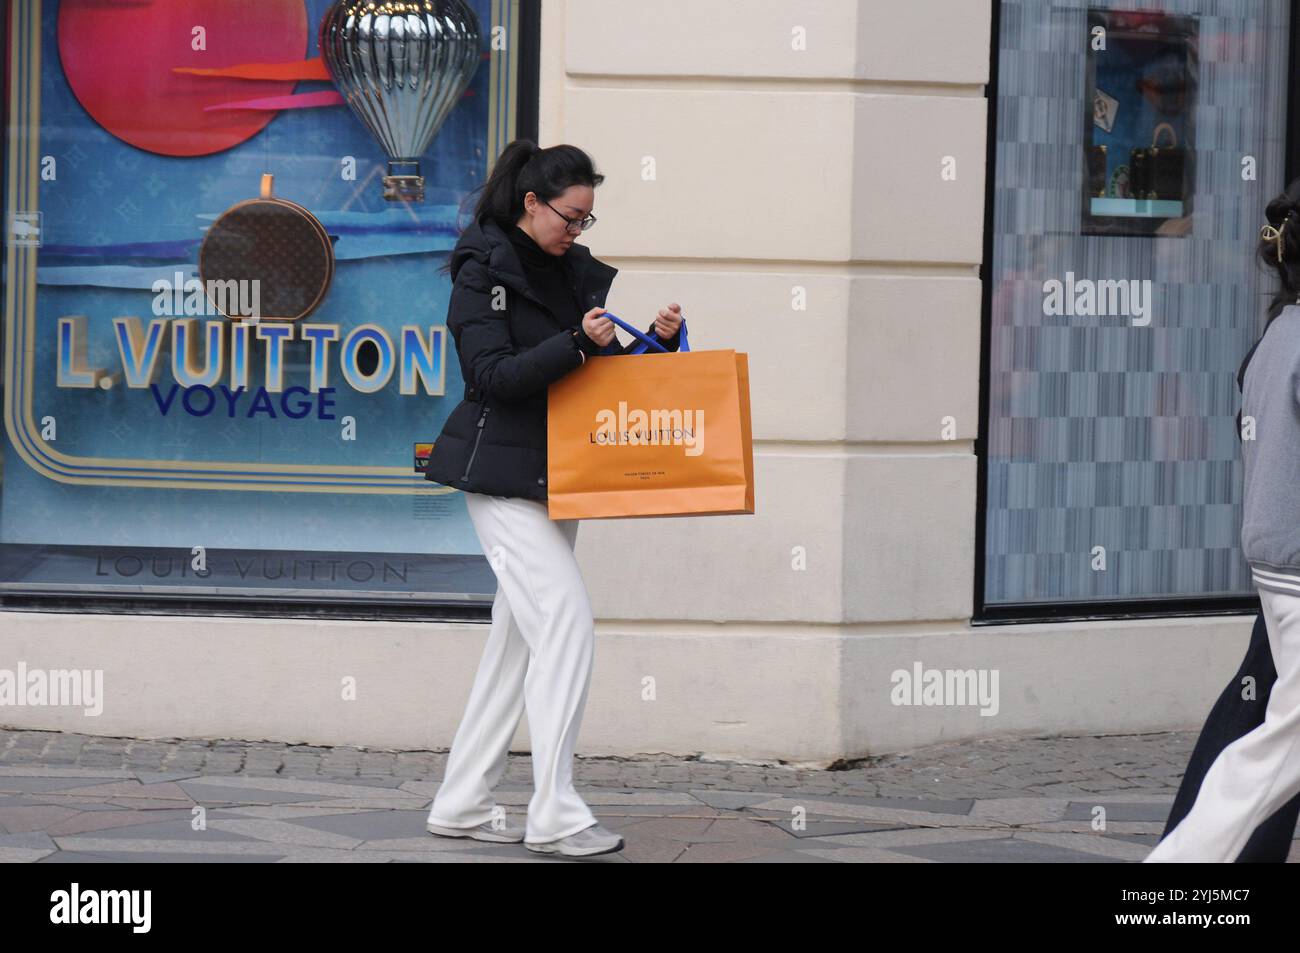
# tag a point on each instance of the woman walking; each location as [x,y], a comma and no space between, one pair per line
[526,308]
[1235,714]
[1254,776]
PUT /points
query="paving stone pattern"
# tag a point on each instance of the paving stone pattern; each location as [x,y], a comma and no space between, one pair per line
[69,798]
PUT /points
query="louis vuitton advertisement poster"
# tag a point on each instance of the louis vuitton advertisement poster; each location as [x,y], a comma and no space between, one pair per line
[225,351]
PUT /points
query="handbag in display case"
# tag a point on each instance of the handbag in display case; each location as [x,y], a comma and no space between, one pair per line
[1156,172]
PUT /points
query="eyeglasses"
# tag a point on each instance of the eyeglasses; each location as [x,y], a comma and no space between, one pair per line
[570,224]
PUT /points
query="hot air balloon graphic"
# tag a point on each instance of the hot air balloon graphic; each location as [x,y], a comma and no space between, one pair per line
[401,67]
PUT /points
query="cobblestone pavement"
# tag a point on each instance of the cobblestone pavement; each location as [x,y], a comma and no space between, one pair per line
[66,797]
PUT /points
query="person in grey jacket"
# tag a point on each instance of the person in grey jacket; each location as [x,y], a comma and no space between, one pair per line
[1237,712]
[1259,773]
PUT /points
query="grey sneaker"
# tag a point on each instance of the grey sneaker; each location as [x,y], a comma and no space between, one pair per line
[585,843]
[507,834]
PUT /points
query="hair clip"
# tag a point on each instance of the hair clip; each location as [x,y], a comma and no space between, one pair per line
[1270,234]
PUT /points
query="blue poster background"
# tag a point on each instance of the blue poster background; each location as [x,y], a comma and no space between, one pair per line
[109,193]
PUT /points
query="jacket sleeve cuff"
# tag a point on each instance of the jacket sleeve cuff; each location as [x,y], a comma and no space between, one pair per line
[556,356]
[584,343]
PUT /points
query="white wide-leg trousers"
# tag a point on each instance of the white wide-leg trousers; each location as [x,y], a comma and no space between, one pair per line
[538,656]
[1257,773]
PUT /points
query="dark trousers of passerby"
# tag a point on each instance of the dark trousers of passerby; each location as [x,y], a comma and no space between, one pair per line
[1232,717]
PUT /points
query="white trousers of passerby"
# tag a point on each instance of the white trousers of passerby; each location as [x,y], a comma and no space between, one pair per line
[1257,773]
[538,657]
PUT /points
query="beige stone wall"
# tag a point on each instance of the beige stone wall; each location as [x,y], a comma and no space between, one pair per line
[793,210]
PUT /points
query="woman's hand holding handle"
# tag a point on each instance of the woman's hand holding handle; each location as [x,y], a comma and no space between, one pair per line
[597,327]
[668,321]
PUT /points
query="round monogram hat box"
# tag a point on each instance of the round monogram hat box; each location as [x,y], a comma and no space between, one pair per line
[278,244]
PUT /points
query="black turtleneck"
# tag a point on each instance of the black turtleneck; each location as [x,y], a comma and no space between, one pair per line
[548,276]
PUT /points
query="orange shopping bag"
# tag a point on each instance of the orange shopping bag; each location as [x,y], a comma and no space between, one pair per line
[651,435]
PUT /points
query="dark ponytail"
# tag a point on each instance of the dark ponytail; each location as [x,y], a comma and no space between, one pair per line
[524,167]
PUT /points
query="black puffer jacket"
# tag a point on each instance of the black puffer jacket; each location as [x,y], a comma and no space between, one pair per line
[494,441]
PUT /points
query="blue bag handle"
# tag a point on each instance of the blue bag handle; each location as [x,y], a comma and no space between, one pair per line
[647,341]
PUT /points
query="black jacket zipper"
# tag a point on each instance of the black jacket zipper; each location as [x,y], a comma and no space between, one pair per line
[477,437]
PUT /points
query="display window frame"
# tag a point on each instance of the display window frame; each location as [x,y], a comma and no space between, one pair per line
[515,115]
[987,613]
